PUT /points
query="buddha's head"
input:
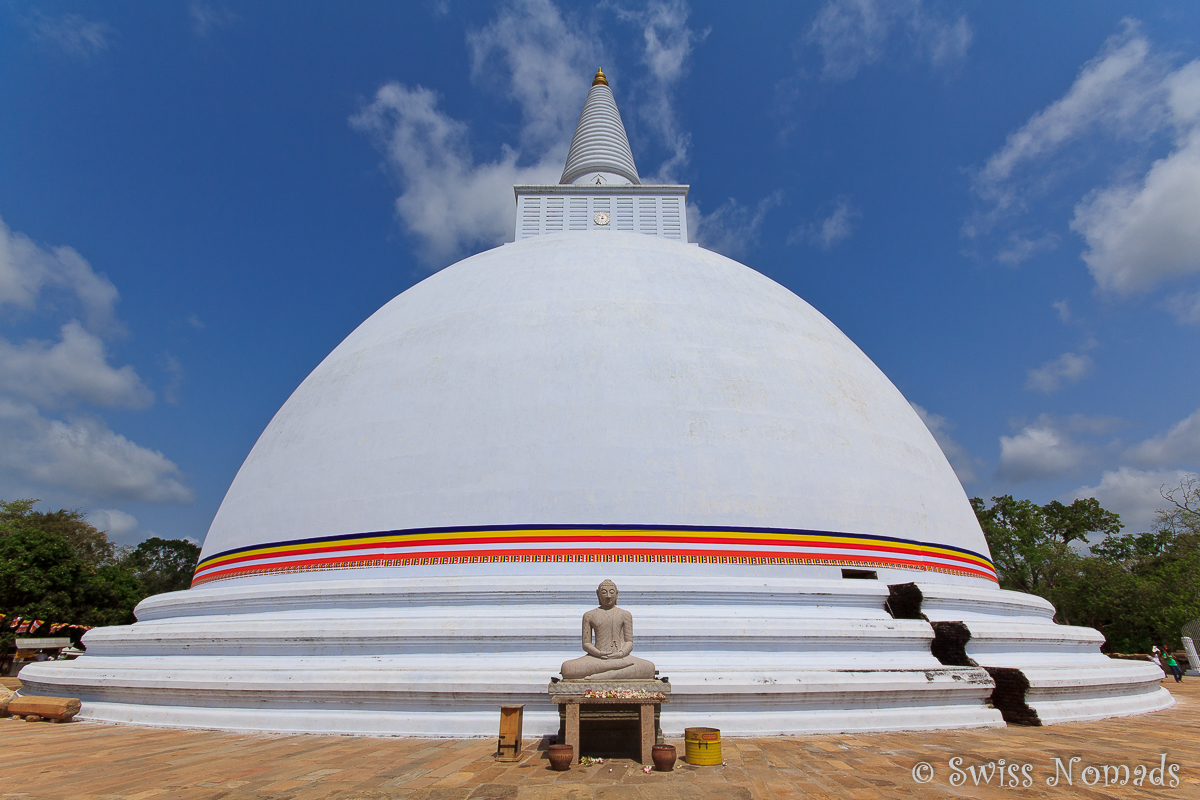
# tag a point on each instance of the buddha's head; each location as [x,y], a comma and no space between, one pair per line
[606,593]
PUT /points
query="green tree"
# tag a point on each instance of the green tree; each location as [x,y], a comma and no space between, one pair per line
[111,595]
[1141,588]
[1182,513]
[163,565]
[41,576]
[1138,589]
[1079,520]
[90,544]
[57,567]
[1025,549]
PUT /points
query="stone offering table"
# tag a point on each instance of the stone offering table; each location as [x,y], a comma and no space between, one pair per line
[639,701]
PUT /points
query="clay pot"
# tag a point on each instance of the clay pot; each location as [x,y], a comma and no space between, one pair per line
[664,757]
[561,756]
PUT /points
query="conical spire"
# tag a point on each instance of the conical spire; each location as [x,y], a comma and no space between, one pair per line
[600,147]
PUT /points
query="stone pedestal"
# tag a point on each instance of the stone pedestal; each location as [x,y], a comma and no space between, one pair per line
[603,724]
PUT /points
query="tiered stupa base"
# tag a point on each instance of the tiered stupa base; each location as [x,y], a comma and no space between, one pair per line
[435,656]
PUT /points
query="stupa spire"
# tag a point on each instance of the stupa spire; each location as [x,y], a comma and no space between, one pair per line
[600,189]
[600,151]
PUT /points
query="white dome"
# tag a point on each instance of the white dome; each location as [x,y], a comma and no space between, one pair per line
[601,380]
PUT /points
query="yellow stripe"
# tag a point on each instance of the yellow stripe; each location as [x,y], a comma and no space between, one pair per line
[601,534]
[594,533]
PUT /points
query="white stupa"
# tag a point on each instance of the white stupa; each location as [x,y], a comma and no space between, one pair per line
[414,537]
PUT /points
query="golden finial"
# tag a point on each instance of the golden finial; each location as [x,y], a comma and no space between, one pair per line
[599,79]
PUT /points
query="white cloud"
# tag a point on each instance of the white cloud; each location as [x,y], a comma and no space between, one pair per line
[173,367]
[73,33]
[206,18]
[451,201]
[853,34]
[1179,445]
[73,370]
[1138,230]
[668,39]
[26,270]
[732,228]
[1045,449]
[835,228]
[1064,310]
[941,39]
[1041,449]
[116,523]
[1148,231]
[668,44]
[1053,375]
[80,455]
[1020,248]
[1114,91]
[1186,307]
[1132,493]
[542,63]
[960,460]
[84,455]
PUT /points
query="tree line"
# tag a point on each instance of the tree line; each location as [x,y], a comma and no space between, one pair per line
[1138,589]
[56,566]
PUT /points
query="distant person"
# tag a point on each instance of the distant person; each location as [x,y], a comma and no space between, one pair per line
[1173,665]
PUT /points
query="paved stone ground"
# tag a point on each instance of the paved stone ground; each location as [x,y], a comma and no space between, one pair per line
[86,761]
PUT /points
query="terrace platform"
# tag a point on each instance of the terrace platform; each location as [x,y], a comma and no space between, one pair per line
[93,761]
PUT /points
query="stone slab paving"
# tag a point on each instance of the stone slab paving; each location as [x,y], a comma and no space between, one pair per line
[92,761]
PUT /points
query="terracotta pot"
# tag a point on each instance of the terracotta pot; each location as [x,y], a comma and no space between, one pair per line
[664,757]
[561,756]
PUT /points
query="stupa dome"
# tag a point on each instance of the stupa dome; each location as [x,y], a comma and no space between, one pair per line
[605,380]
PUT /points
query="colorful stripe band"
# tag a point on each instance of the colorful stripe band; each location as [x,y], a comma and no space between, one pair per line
[588,544]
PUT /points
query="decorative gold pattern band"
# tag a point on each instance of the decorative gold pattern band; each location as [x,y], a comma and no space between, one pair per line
[590,544]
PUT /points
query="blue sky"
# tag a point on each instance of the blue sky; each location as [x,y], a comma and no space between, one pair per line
[999,203]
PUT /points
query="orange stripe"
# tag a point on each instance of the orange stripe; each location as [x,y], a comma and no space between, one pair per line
[798,540]
[538,556]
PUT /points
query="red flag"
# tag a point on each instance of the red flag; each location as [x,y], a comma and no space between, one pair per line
[24,628]
[37,623]
[14,623]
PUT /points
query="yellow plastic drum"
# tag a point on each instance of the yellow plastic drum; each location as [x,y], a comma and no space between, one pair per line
[702,746]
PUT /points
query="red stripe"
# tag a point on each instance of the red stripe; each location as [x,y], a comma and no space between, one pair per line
[549,558]
[636,537]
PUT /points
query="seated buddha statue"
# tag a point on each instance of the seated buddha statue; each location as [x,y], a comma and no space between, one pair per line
[608,641]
